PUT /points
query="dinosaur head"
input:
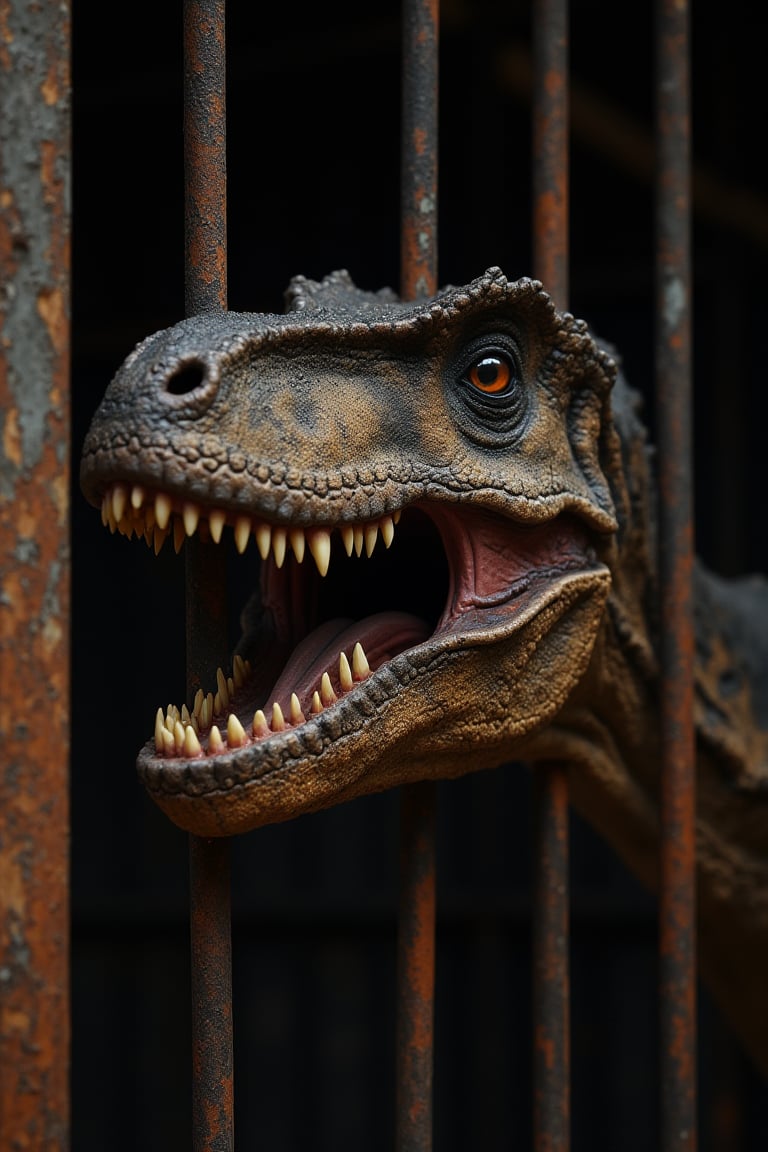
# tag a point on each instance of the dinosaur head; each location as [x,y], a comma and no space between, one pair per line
[424,489]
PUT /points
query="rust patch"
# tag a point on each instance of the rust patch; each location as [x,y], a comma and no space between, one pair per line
[53,311]
[12,438]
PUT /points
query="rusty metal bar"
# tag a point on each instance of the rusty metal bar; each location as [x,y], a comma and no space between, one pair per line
[205,291]
[34,574]
[416,969]
[418,190]
[418,278]
[677,898]
[551,981]
[551,978]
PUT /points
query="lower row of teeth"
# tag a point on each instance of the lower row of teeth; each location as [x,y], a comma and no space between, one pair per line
[178,732]
[155,517]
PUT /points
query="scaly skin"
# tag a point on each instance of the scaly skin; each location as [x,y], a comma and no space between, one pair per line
[513,616]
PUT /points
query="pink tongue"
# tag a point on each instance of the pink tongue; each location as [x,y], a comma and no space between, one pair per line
[382,637]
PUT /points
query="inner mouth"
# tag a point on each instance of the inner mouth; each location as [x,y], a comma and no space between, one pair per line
[335,603]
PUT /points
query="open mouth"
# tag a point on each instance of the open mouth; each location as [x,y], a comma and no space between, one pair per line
[335,604]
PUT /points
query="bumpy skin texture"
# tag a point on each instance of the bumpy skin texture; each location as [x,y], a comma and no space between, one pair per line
[541,642]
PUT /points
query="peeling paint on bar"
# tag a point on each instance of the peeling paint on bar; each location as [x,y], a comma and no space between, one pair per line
[34,574]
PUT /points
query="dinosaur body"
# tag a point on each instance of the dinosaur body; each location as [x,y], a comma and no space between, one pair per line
[453,505]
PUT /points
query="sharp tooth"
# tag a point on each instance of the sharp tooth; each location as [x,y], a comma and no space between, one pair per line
[119,500]
[206,711]
[218,707]
[360,667]
[260,726]
[160,538]
[215,742]
[296,536]
[236,736]
[278,720]
[185,716]
[345,673]
[221,684]
[396,515]
[197,704]
[317,704]
[169,721]
[263,534]
[359,540]
[387,530]
[279,537]
[216,521]
[348,536]
[178,534]
[159,729]
[194,724]
[169,744]
[137,496]
[238,670]
[247,668]
[371,536]
[320,547]
[297,716]
[327,694]
[191,514]
[230,687]
[104,505]
[162,509]
[191,742]
[178,736]
[174,712]
[242,533]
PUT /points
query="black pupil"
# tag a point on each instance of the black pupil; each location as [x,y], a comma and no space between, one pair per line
[488,370]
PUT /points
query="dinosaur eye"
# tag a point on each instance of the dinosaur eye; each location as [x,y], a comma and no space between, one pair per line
[491,375]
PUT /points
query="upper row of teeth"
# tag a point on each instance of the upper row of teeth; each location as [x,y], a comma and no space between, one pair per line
[156,516]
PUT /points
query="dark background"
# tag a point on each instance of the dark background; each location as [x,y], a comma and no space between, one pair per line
[313,98]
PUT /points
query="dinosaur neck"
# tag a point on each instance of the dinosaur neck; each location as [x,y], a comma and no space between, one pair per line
[609,734]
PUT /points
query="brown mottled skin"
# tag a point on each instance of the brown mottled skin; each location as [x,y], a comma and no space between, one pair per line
[540,640]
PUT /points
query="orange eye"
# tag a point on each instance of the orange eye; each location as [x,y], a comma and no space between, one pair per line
[490,375]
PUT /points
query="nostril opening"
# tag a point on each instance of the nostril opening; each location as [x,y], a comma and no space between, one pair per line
[186,378]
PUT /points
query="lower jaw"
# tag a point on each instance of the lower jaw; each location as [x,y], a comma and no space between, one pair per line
[377,734]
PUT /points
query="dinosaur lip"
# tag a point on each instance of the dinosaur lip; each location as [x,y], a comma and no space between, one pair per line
[338,602]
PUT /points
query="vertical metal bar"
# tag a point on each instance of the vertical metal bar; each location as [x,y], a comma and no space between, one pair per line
[34,574]
[418,272]
[551,981]
[416,969]
[205,291]
[418,190]
[677,945]
[212,1070]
